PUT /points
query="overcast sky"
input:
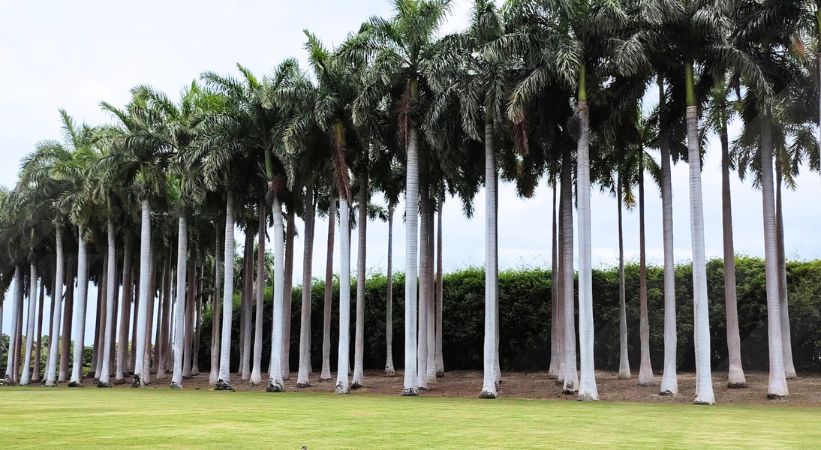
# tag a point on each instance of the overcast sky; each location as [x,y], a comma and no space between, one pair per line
[72,55]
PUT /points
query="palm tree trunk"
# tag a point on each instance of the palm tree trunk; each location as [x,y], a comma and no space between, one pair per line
[275,379]
[165,324]
[15,307]
[329,290]
[157,331]
[179,306]
[94,371]
[68,314]
[256,371]
[144,294]
[247,300]
[701,313]
[424,287]
[789,367]
[31,319]
[430,365]
[56,312]
[669,380]
[646,377]
[555,332]
[187,339]
[735,376]
[491,267]
[79,319]
[35,372]
[105,369]
[125,314]
[440,363]
[570,375]
[224,376]
[409,384]
[290,233]
[343,357]
[149,323]
[359,336]
[389,370]
[624,360]
[305,316]
[132,357]
[777,384]
[195,344]
[216,320]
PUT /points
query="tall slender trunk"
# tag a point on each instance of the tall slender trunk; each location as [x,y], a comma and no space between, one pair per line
[491,267]
[247,300]
[31,319]
[144,294]
[18,339]
[735,376]
[329,291]
[224,376]
[132,356]
[275,378]
[68,315]
[570,374]
[105,370]
[646,377]
[287,294]
[166,360]
[624,360]
[409,384]
[669,380]
[187,340]
[430,365]
[149,321]
[38,334]
[424,288]
[701,313]
[783,299]
[179,305]
[359,336]
[389,370]
[79,319]
[195,341]
[343,357]
[440,292]
[305,316]
[56,312]
[216,310]
[125,314]
[256,371]
[96,357]
[15,307]
[560,282]
[555,332]
[777,384]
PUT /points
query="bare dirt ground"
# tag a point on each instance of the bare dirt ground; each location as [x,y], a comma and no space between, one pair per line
[804,392]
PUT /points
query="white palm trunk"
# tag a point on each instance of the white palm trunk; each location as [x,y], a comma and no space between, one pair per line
[624,360]
[555,332]
[389,369]
[15,306]
[68,315]
[587,381]
[35,373]
[125,315]
[179,305]
[669,379]
[224,376]
[145,295]
[343,360]
[777,383]
[275,378]
[491,268]
[165,331]
[701,328]
[256,370]
[359,336]
[188,325]
[216,317]
[325,374]
[409,384]
[430,299]
[149,321]
[287,294]
[25,378]
[56,312]
[789,366]
[247,301]
[569,374]
[646,377]
[105,370]
[439,361]
[305,316]
[424,286]
[79,318]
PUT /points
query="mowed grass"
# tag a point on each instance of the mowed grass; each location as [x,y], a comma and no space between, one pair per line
[61,418]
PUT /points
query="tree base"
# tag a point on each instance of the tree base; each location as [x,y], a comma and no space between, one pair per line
[409,392]
[303,385]
[552,376]
[624,376]
[135,382]
[485,394]
[119,381]
[703,403]
[646,384]
[274,386]
[440,374]
[74,384]
[422,389]
[339,389]
[777,397]
[570,391]
[736,385]
[356,385]
[51,385]
[223,386]
[324,379]
[101,384]
[175,385]
[389,372]
[586,397]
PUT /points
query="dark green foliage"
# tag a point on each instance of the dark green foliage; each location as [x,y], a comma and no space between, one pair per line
[524,316]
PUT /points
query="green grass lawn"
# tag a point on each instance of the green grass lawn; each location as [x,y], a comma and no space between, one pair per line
[62,417]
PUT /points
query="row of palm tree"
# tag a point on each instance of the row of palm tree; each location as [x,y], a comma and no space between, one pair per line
[557,89]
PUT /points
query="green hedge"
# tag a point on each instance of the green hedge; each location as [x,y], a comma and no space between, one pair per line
[524,313]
